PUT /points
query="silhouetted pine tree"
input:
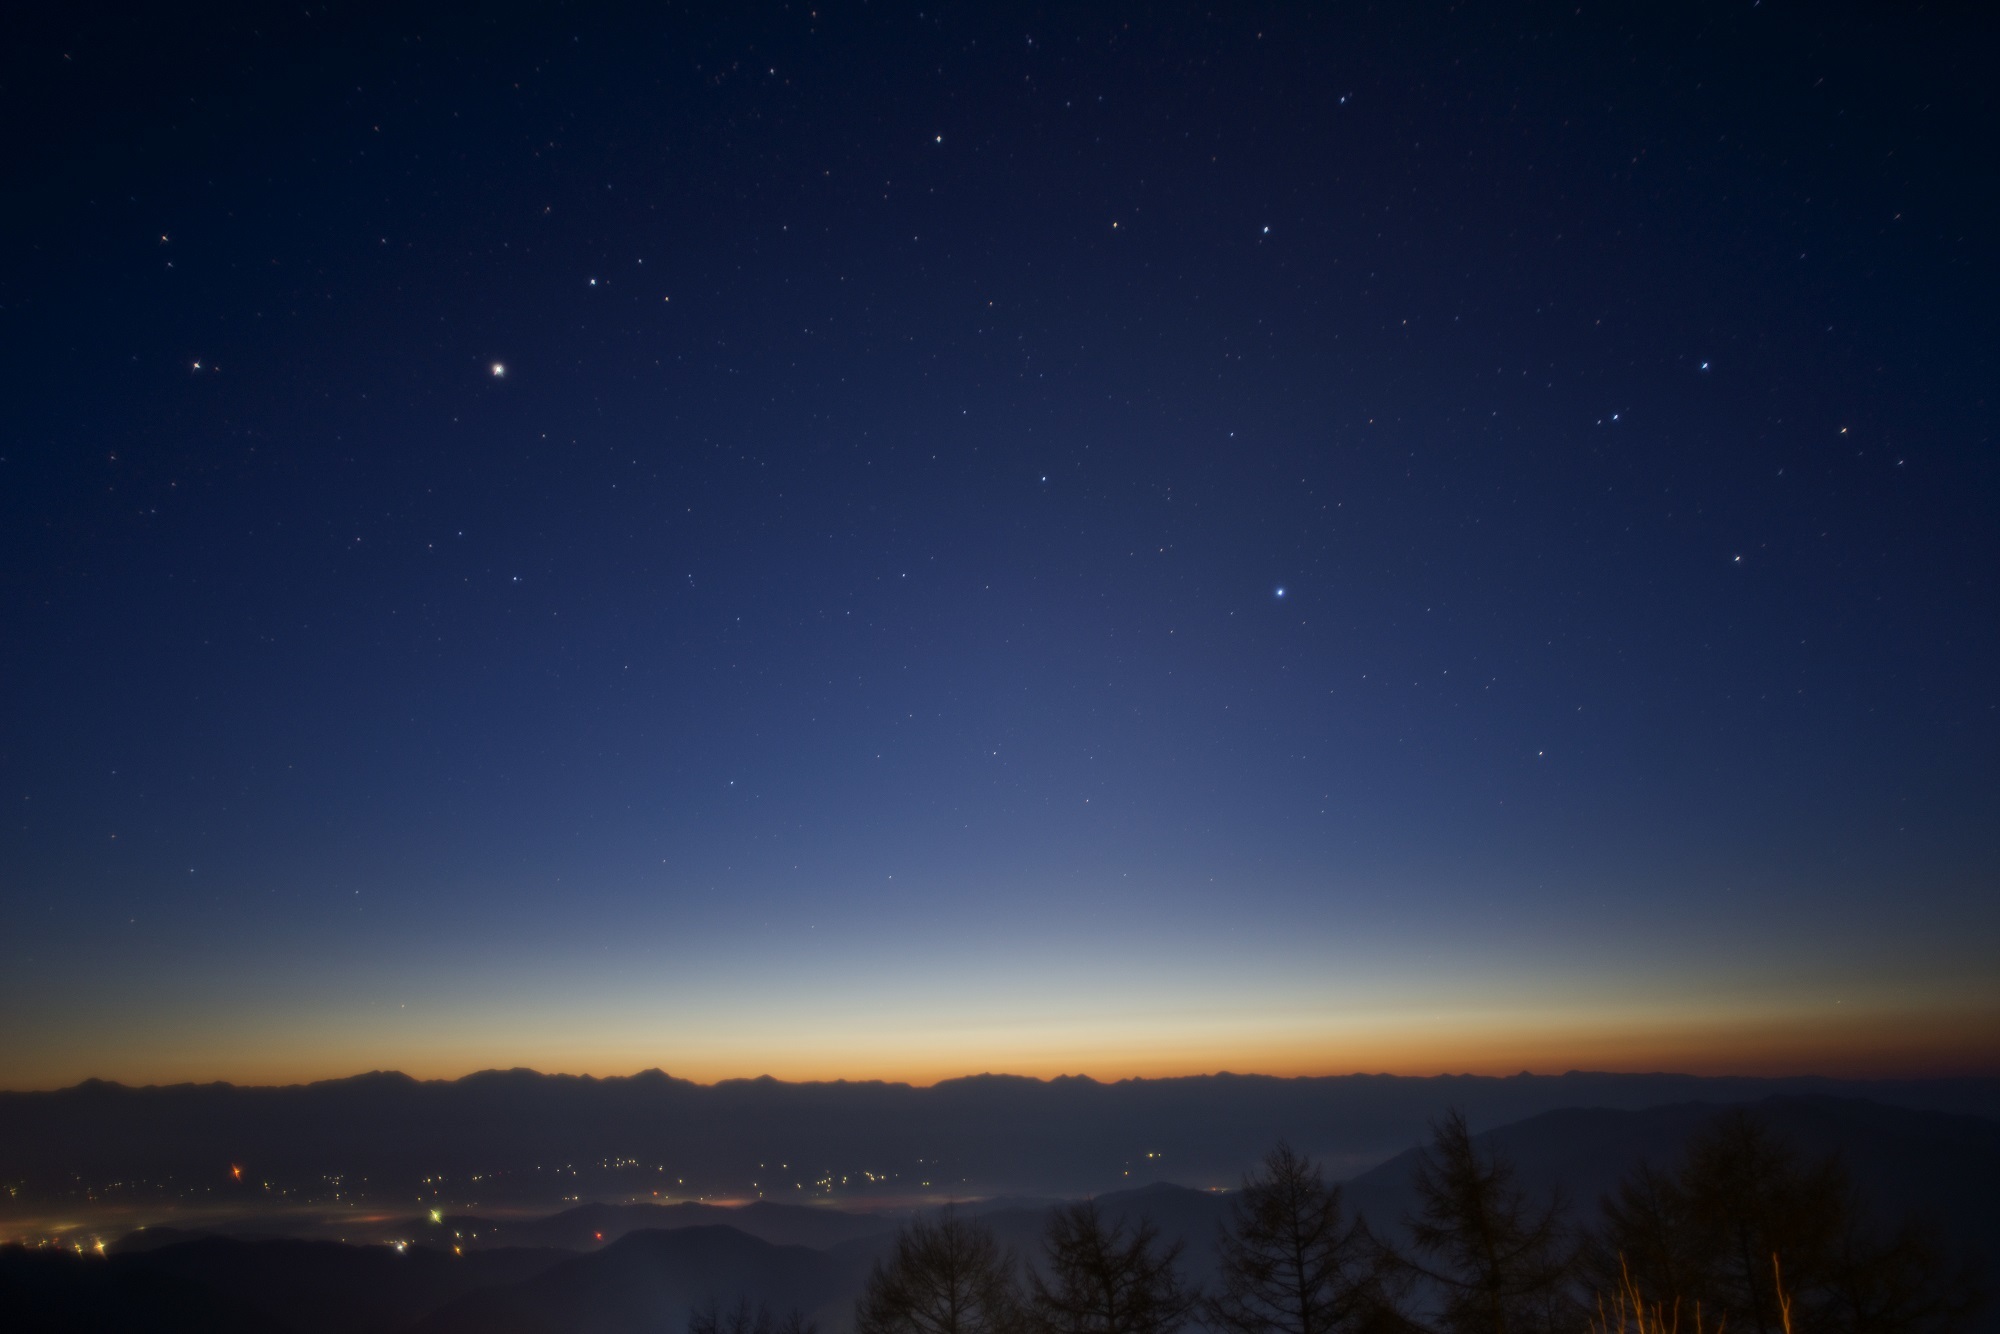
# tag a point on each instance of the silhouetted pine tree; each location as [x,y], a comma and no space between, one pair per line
[1748,1199]
[1894,1281]
[1104,1280]
[1705,1237]
[1290,1262]
[947,1277]
[1648,1240]
[1493,1264]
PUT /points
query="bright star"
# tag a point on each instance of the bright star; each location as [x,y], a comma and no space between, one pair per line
[1281,590]
[498,370]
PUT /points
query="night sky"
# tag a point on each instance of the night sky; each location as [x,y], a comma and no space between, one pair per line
[897,541]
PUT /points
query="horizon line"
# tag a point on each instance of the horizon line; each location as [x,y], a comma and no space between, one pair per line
[1079,1077]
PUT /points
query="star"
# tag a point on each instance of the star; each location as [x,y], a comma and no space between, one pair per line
[498,370]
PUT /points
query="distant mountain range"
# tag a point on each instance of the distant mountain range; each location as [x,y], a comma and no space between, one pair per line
[521,1138]
[629,1268]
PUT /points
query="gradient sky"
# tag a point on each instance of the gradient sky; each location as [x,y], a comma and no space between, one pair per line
[1131,541]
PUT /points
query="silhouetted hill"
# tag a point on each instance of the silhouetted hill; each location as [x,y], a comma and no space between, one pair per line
[504,1137]
[591,1225]
[57,1292]
[1903,1159]
[327,1287]
[305,1287]
[650,1281]
[1938,1166]
[157,1238]
[1947,1167]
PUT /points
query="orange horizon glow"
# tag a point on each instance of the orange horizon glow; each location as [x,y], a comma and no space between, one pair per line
[1935,1046]
[1949,1026]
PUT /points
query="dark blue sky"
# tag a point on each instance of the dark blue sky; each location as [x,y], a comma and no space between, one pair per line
[1134,541]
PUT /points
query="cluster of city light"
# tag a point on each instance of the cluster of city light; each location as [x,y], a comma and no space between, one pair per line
[436,1194]
[47,1242]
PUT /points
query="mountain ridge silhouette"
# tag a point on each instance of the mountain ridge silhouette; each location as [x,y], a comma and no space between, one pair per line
[522,1137]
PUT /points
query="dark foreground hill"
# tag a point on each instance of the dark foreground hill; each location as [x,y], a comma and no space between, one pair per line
[1945,1167]
[591,1225]
[222,1284]
[1941,1168]
[517,1137]
[651,1281]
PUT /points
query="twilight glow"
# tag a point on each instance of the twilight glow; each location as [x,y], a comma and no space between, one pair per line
[858,546]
